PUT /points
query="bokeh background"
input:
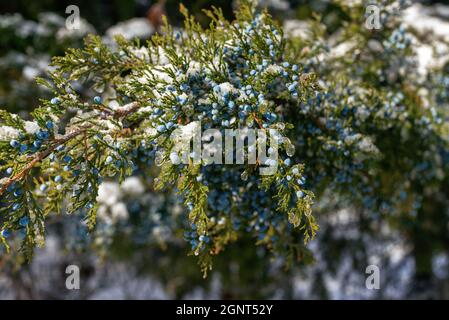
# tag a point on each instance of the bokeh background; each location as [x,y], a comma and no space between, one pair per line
[135,254]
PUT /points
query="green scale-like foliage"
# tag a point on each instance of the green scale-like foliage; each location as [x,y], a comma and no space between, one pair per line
[57,161]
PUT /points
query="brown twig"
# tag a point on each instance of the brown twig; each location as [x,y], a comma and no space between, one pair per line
[39,157]
[58,142]
[124,112]
[258,121]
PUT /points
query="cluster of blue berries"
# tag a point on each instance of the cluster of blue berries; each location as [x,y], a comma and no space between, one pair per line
[29,145]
